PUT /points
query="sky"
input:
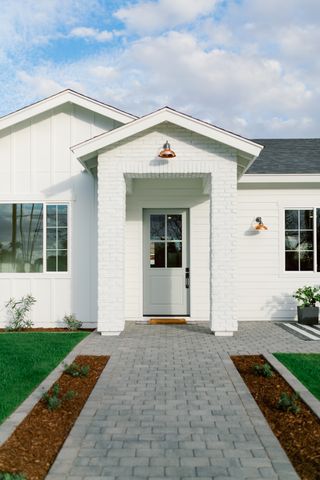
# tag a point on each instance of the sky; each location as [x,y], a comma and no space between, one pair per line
[250,66]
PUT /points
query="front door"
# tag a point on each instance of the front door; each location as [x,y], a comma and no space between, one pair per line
[166,262]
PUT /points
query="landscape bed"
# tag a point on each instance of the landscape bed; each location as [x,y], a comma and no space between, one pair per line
[26,358]
[298,433]
[35,443]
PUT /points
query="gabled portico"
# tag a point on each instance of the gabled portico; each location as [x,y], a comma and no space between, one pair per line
[198,187]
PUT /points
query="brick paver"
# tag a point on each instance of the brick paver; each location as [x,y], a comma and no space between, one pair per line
[170,405]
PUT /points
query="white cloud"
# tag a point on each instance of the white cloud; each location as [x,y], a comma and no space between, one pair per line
[150,17]
[254,68]
[91,33]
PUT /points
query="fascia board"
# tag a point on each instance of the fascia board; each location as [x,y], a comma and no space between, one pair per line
[166,115]
[280,178]
[60,99]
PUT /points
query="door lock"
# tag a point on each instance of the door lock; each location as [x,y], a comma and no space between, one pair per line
[187,277]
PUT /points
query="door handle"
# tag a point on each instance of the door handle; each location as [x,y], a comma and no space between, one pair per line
[187,277]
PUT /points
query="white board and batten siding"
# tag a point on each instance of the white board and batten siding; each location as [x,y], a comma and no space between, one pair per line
[36,165]
[264,288]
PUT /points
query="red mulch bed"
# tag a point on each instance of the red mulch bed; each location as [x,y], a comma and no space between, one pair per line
[299,434]
[34,445]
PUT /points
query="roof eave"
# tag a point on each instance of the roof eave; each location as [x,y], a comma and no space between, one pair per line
[104,140]
[61,98]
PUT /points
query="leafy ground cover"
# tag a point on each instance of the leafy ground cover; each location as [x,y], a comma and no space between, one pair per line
[304,366]
[26,358]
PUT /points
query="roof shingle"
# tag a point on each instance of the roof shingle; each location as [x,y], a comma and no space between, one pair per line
[290,155]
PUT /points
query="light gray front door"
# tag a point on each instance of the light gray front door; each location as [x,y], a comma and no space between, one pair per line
[166,262]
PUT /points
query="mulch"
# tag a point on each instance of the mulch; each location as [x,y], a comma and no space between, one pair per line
[299,434]
[34,445]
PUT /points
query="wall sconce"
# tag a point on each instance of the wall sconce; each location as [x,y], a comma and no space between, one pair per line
[167,152]
[260,225]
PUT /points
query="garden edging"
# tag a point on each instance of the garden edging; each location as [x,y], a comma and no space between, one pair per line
[308,398]
[11,423]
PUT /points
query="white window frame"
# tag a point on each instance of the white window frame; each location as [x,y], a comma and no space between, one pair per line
[297,273]
[44,273]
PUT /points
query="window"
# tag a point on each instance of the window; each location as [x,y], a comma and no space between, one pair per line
[302,229]
[25,230]
[165,241]
[57,238]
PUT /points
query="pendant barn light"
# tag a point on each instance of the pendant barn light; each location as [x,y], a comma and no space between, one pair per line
[260,225]
[167,152]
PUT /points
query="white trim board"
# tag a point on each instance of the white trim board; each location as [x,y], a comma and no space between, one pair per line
[66,96]
[87,149]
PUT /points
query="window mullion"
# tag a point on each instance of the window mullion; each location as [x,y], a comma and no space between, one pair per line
[44,268]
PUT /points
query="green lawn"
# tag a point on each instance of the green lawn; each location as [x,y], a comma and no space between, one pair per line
[305,366]
[26,359]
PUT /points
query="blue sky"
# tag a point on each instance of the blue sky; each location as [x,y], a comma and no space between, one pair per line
[251,66]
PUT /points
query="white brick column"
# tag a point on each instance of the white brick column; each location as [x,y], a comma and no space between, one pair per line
[223,248]
[111,247]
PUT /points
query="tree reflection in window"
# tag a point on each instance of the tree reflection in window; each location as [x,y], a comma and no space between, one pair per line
[21,237]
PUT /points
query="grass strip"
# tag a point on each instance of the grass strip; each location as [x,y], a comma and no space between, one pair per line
[26,359]
[304,366]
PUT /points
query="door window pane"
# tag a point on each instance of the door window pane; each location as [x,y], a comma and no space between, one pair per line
[174,254]
[157,227]
[174,227]
[157,255]
[21,237]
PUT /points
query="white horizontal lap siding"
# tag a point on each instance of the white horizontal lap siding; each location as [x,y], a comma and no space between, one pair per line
[264,289]
[36,165]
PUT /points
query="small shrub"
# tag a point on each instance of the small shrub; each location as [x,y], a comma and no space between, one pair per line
[53,401]
[12,476]
[264,370]
[288,403]
[71,322]
[18,311]
[76,370]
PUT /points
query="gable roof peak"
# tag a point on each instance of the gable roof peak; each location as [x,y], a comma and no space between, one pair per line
[60,98]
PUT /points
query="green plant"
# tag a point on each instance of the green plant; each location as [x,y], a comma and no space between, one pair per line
[76,370]
[53,400]
[72,323]
[12,476]
[307,296]
[18,310]
[288,403]
[264,370]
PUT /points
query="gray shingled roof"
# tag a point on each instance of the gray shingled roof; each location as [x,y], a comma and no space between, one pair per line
[288,156]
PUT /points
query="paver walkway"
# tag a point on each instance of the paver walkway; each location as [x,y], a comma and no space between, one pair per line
[170,405]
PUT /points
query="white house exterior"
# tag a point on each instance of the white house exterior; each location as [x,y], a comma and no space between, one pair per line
[94,222]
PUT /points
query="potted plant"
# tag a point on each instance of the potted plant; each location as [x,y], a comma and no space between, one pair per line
[308,313]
